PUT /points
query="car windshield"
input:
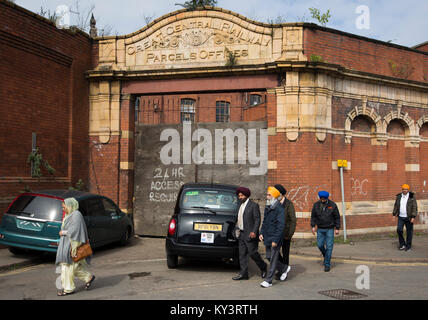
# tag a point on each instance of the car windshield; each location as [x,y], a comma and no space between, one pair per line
[211,199]
[38,207]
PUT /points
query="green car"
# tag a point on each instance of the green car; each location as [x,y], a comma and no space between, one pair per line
[33,220]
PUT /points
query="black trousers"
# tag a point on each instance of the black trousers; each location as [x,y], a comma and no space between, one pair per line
[285,258]
[249,249]
[409,230]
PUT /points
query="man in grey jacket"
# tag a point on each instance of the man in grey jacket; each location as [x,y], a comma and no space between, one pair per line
[405,209]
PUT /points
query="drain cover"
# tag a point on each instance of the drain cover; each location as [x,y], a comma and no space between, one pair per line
[342,294]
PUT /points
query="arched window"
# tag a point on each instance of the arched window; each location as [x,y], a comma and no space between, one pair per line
[187,110]
[222,111]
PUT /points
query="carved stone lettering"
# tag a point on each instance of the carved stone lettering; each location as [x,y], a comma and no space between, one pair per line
[199,40]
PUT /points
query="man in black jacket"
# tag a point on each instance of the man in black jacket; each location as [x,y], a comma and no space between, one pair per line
[290,225]
[247,229]
[405,209]
[326,217]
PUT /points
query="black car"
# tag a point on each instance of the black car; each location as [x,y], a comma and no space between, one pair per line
[203,223]
[33,220]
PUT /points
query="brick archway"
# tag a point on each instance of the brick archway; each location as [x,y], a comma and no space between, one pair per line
[362,111]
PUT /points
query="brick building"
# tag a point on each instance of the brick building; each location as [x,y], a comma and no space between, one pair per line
[323,95]
[43,91]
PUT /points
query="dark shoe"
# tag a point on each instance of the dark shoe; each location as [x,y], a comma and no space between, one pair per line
[88,284]
[264,273]
[241,277]
[326,269]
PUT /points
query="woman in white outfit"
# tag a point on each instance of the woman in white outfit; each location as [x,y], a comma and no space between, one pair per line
[73,233]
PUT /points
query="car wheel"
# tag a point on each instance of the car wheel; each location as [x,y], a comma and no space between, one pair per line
[126,237]
[17,251]
[172,261]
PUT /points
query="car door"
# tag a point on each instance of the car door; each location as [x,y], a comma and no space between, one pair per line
[99,222]
[113,213]
[83,208]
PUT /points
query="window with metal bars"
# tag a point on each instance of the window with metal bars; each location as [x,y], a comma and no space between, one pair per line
[222,111]
[187,110]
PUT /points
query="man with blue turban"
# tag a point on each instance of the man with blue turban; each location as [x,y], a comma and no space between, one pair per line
[325,218]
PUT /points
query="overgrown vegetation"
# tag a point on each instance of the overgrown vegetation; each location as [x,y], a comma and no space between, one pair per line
[401,70]
[35,158]
[231,59]
[194,4]
[278,20]
[80,186]
[321,18]
[81,16]
[316,58]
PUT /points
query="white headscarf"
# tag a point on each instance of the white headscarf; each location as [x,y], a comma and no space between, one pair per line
[72,205]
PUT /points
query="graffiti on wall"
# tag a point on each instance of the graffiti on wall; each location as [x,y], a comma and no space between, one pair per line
[166,183]
[303,197]
[357,187]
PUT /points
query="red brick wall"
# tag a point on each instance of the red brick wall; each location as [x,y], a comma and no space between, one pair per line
[423,47]
[362,54]
[104,167]
[43,89]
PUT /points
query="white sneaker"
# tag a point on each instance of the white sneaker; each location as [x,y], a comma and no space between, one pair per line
[285,274]
[266,284]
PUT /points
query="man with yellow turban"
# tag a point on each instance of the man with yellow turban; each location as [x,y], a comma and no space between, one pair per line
[405,210]
[272,234]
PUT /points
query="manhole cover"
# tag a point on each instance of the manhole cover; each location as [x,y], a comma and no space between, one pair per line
[342,294]
[139,274]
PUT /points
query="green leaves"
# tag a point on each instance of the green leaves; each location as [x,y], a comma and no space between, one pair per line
[321,18]
[36,159]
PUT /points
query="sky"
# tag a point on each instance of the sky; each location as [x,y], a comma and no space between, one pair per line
[400,22]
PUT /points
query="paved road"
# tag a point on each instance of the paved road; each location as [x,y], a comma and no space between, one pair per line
[140,272]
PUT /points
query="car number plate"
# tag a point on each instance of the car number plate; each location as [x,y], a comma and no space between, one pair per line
[208,227]
[207,237]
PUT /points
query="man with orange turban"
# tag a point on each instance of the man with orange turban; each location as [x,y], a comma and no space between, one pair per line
[405,209]
[272,234]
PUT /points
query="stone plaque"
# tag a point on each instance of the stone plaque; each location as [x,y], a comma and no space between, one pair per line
[205,40]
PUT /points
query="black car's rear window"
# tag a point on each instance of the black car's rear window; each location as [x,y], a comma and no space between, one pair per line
[216,200]
[38,207]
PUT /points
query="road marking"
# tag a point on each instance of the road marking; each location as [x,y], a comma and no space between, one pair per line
[352,261]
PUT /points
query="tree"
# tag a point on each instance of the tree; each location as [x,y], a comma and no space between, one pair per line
[194,4]
[321,18]
[279,19]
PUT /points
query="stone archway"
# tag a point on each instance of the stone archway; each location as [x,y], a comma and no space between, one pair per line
[362,111]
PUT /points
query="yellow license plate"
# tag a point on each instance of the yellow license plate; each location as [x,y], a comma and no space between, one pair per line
[208,227]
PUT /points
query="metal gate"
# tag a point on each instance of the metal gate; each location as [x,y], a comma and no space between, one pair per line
[169,155]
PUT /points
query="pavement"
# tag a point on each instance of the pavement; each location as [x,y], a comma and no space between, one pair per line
[363,251]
